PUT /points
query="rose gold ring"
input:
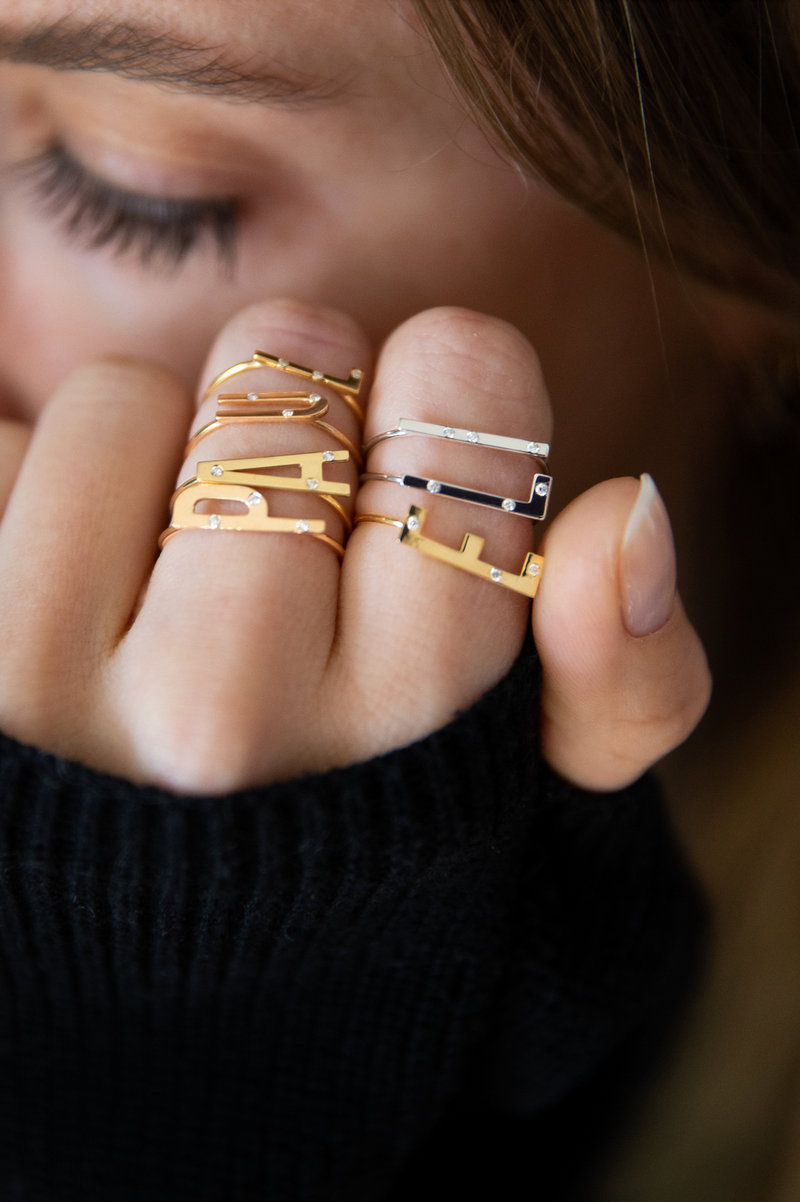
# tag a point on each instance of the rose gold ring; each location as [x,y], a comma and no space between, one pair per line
[347,390]
[243,408]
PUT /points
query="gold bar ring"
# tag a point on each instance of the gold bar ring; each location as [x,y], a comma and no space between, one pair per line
[311,478]
[255,519]
[467,558]
[346,390]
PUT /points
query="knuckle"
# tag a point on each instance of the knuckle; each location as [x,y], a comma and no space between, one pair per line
[320,330]
[474,357]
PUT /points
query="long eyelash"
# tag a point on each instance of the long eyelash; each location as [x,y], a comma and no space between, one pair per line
[158,229]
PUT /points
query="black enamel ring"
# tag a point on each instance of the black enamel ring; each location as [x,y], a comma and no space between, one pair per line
[535,507]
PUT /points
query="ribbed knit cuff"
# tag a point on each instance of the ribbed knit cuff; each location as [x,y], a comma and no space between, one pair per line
[275,994]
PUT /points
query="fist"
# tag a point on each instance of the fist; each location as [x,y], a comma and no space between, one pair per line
[235,659]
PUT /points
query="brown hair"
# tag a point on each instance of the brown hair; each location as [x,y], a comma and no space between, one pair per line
[672,121]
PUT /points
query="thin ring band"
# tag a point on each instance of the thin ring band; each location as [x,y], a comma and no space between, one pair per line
[229,419]
[499,442]
[378,517]
[321,538]
[346,390]
[467,558]
[261,359]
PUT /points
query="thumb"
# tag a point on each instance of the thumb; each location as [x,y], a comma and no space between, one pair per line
[625,675]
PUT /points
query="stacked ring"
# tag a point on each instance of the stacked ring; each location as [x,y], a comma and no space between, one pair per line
[239,479]
[467,558]
[347,390]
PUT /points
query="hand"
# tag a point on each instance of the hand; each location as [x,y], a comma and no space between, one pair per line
[253,658]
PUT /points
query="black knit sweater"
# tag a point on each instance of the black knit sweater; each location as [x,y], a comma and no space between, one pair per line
[389,978]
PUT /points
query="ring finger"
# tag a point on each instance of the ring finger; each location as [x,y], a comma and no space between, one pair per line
[422,639]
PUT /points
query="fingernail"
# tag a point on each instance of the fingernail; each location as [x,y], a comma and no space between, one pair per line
[647,563]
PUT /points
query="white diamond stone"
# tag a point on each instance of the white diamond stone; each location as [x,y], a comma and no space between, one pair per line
[255,498]
[288,413]
[317,375]
[449,432]
[533,569]
[314,397]
[312,483]
[327,456]
[541,489]
[413,523]
[433,486]
[356,373]
[472,436]
[252,396]
[496,575]
[283,363]
[301,527]
[509,505]
[216,470]
[214,521]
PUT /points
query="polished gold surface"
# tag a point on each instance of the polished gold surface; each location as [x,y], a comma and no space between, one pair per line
[254,518]
[310,480]
[251,471]
[347,389]
[243,408]
[468,557]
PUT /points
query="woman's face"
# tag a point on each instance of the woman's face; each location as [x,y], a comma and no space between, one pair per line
[327,139]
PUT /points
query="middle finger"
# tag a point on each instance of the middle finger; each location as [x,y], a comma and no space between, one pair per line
[239,626]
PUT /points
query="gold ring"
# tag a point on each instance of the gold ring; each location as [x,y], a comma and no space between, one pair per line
[259,407]
[250,471]
[378,517]
[346,390]
[171,531]
[255,518]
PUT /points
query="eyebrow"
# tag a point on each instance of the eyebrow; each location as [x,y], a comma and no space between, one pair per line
[136,52]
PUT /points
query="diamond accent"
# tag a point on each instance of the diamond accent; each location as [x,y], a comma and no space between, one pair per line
[214,521]
[496,575]
[449,432]
[288,413]
[413,523]
[534,448]
[317,375]
[255,498]
[216,470]
[327,456]
[433,486]
[252,396]
[541,489]
[472,436]
[312,483]
[314,397]
[356,373]
[533,569]
[283,363]
[509,505]
[301,527]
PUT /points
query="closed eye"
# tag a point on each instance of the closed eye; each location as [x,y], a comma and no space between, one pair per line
[161,230]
